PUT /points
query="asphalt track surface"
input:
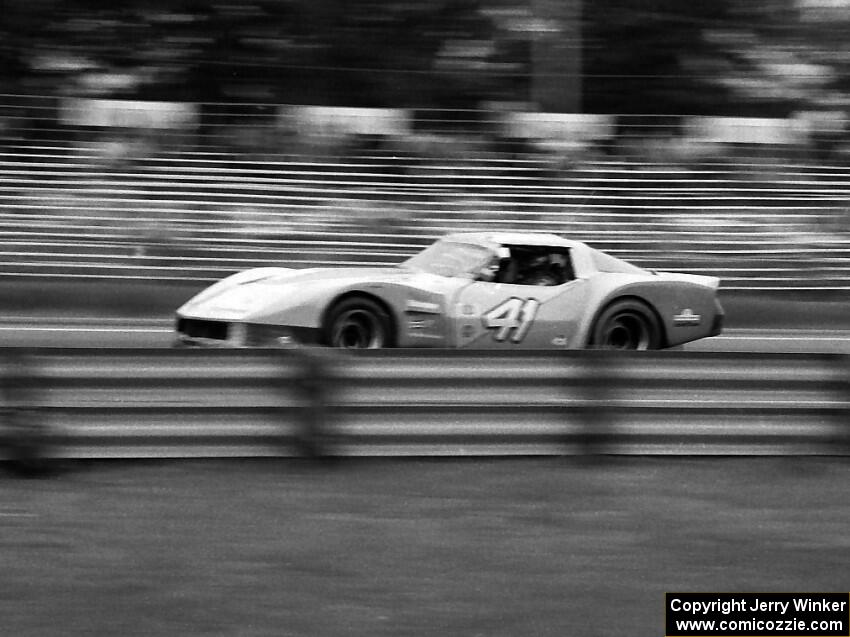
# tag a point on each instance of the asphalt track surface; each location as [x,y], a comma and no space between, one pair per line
[42,331]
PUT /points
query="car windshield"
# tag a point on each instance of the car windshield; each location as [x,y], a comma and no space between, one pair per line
[451,258]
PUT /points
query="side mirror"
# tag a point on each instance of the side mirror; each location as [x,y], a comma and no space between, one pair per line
[488,273]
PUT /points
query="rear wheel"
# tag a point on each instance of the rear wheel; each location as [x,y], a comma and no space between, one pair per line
[358,323]
[626,325]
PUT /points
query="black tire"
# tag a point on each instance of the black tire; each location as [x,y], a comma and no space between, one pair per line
[358,323]
[626,325]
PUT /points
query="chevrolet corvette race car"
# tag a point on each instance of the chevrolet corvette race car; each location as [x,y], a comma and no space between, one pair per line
[467,290]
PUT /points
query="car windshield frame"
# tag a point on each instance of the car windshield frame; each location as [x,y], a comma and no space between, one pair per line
[453,259]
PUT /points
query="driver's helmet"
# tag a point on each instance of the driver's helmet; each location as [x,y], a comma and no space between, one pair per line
[539,262]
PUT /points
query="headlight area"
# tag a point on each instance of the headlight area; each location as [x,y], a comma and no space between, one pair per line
[209,333]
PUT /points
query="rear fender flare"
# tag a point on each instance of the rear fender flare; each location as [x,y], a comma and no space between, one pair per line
[650,307]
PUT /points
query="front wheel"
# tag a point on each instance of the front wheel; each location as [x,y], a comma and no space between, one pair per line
[358,324]
[626,325]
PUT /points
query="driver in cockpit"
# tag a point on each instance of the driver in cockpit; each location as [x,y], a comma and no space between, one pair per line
[544,270]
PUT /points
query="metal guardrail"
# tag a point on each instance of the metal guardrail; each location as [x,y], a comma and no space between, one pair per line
[135,403]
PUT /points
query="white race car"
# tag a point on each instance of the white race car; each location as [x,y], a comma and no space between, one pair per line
[468,290]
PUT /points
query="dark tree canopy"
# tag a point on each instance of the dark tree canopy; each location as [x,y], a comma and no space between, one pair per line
[638,56]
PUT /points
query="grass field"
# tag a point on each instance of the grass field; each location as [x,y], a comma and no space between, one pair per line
[519,547]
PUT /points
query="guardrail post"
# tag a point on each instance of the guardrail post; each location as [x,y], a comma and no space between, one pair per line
[24,437]
[599,389]
[313,386]
[840,441]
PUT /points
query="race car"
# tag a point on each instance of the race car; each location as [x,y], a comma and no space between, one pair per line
[467,290]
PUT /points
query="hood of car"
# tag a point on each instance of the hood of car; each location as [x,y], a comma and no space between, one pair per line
[259,292]
[340,277]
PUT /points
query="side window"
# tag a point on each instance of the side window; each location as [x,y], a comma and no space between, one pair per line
[536,265]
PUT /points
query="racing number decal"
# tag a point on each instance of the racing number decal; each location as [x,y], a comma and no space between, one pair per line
[513,315]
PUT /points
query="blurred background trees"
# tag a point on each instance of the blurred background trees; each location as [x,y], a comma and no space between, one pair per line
[770,57]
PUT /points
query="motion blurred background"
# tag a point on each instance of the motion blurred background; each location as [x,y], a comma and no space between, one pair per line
[182,140]
[148,146]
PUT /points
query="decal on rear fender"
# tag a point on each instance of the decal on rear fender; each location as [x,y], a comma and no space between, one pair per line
[687,317]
